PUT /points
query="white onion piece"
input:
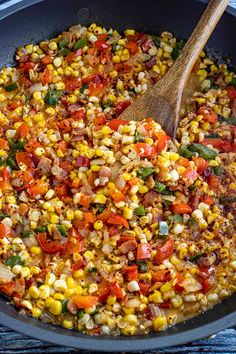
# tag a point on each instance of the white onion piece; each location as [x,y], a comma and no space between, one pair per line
[191,285]
[5,274]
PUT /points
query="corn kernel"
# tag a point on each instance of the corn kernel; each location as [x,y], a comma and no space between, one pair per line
[34,292]
[36,312]
[67,324]
[55,307]
[98,225]
[59,296]
[143,189]
[159,323]
[36,250]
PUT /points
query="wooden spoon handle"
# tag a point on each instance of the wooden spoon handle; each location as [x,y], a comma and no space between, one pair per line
[199,37]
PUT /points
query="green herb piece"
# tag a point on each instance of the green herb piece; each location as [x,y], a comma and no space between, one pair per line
[25,233]
[175,218]
[191,222]
[142,267]
[11,87]
[2,162]
[233,82]
[92,270]
[81,43]
[184,151]
[80,314]
[163,228]
[203,151]
[62,230]
[100,207]
[177,50]
[140,211]
[52,97]
[138,137]
[218,171]
[83,88]
[144,172]
[63,43]
[192,187]
[41,228]
[64,305]
[16,145]
[13,260]
[11,162]
[156,41]
[159,187]
[3,215]
[227,199]
[213,136]
[231,121]
[195,258]
[167,203]
[64,52]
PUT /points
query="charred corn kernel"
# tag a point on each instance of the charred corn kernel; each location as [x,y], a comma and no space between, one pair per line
[166,287]
[159,323]
[36,312]
[27,304]
[78,274]
[98,225]
[36,250]
[111,300]
[156,297]
[34,292]
[88,255]
[67,324]
[100,199]
[143,189]
[128,213]
[58,296]
[25,272]
[55,307]
[176,301]
[106,130]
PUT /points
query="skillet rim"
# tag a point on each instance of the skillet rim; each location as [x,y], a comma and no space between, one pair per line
[59,336]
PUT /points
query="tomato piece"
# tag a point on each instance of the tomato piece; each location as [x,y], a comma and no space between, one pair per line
[14,104]
[47,76]
[116,195]
[121,106]
[61,189]
[27,66]
[101,45]
[78,115]
[31,146]
[161,275]
[85,200]
[206,285]
[183,162]
[4,182]
[131,272]
[50,247]
[132,46]
[38,187]
[78,265]
[101,120]
[23,157]
[102,36]
[190,173]
[84,301]
[145,150]
[89,217]
[178,287]
[165,305]
[144,287]
[162,140]
[46,60]
[23,130]
[116,290]
[118,220]
[4,144]
[143,251]
[164,252]
[70,248]
[83,161]
[220,144]
[213,183]
[5,230]
[8,288]
[231,91]
[95,89]
[208,114]
[208,200]
[105,215]
[201,164]
[73,55]
[66,125]
[181,208]
[72,83]
[115,123]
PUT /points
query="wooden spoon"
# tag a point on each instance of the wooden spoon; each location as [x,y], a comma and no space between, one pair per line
[162,101]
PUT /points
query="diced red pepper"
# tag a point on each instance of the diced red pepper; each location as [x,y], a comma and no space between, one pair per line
[85,200]
[101,45]
[70,248]
[23,130]
[164,252]
[208,114]
[47,76]
[83,161]
[47,60]
[132,46]
[121,106]
[95,89]
[116,290]
[25,158]
[84,301]
[220,144]
[213,182]
[38,187]
[115,123]
[5,230]
[178,287]
[206,285]
[131,272]
[161,275]
[144,287]
[162,141]
[145,150]
[72,83]
[143,251]
[101,120]
[27,66]
[116,195]
[201,164]
[4,144]
[73,55]
[50,247]
[118,220]
[231,92]
[181,208]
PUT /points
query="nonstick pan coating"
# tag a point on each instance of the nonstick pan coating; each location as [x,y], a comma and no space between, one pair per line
[33,20]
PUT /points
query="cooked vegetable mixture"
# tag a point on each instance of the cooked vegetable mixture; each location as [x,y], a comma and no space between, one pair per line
[108,226]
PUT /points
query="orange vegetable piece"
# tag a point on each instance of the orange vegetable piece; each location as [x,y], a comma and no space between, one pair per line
[84,301]
[201,164]
[5,230]
[38,187]
[23,130]
[85,200]
[181,208]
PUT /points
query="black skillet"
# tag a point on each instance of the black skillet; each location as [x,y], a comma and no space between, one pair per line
[26,21]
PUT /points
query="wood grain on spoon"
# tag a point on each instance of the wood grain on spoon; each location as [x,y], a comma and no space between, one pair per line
[162,101]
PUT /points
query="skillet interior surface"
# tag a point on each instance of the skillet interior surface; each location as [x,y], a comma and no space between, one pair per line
[34,20]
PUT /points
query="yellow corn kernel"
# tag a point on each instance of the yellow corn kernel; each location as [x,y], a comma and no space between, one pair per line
[39,117]
[68,293]
[78,290]
[128,310]
[176,301]
[111,300]
[34,292]
[106,130]
[78,274]
[166,287]
[25,272]
[126,176]
[48,301]
[131,318]
[98,225]
[156,297]
[55,307]
[70,214]
[206,126]
[128,213]
[213,163]
[59,296]
[100,199]
[129,32]
[183,252]
[37,95]
[174,156]
[50,110]
[95,168]
[44,291]
[35,250]
[70,282]
[159,323]
[54,219]
[143,189]
[67,324]
[36,312]
[88,255]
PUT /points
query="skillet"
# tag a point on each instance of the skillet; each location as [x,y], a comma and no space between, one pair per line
[25,21]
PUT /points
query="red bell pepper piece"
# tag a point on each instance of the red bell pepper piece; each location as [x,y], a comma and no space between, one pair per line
[143,251]
[231,92]
[23,130]
[164,252]
[83,161]
[50,247]
[145,150]
[115,123]
[73,55]
[101,45]
[181,208]
[208,114]
[118,220]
